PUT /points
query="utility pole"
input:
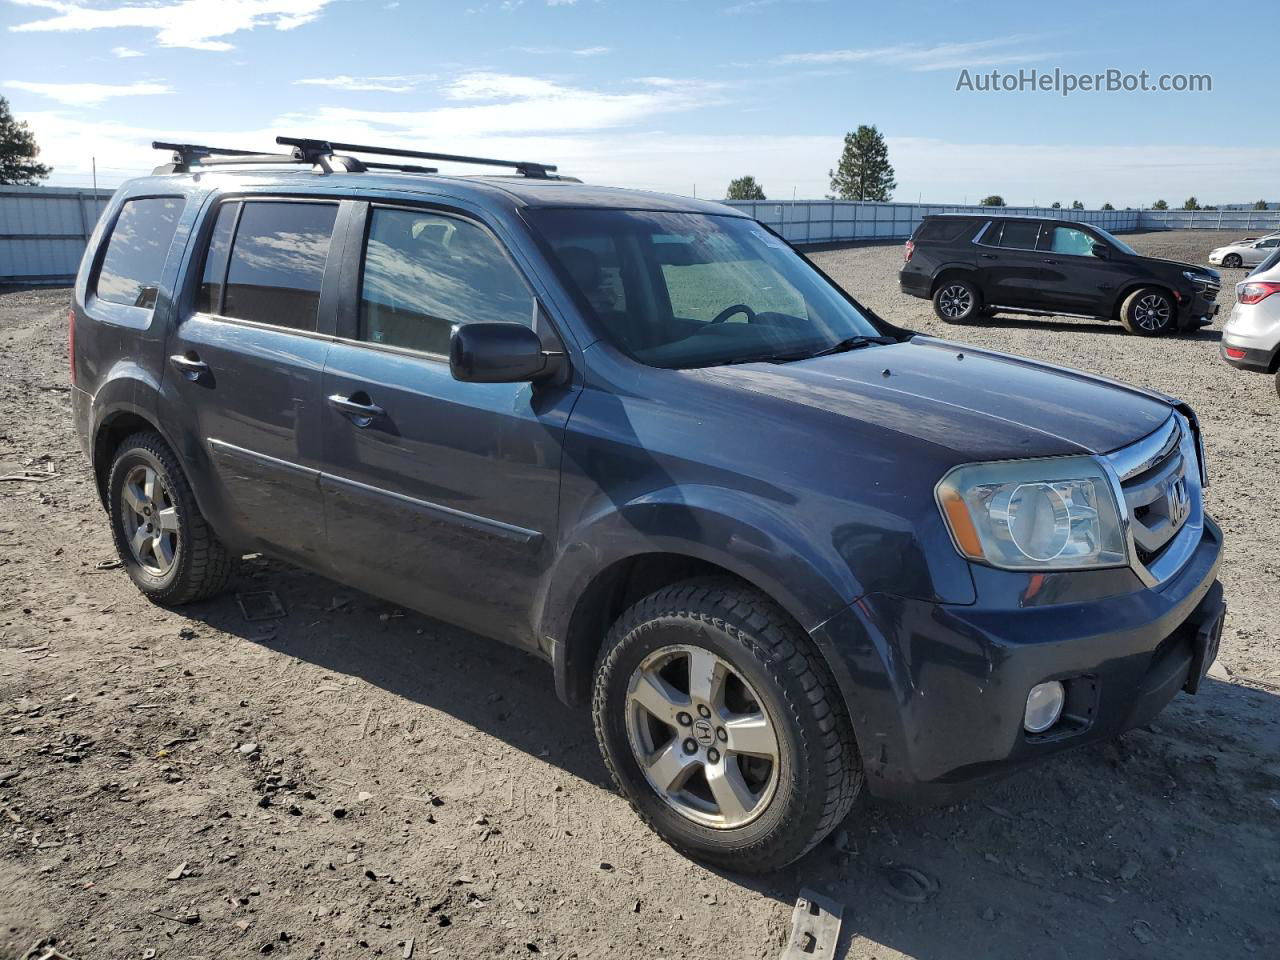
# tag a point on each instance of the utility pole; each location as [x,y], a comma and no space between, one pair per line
[95,177]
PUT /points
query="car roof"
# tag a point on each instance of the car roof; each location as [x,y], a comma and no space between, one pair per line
[996,215]
[512,192]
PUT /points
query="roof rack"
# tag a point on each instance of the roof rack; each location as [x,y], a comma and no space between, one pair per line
[526,168]
[323,154]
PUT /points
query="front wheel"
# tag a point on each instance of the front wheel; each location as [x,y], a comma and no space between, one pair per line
[1232,260]
[165,544]
[956,300]
[1148,312]
[721,725]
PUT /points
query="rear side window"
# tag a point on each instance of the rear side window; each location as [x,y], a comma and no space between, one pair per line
[277,262]
[1019,236]
[426,271]
[140,241]
[942,231]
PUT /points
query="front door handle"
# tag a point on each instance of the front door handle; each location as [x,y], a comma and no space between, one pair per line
[361,414]
[987,256]
[1049,261]
[189,366]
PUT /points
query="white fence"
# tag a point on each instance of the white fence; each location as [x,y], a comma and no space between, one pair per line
[43,231]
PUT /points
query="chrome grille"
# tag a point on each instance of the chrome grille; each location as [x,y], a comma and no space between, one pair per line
[1160,483]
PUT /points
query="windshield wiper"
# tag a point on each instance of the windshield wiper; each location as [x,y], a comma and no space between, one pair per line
[847,344]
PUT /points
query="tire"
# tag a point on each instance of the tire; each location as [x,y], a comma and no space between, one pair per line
[1149,312]
[1278,382]
[1232,260]
[773,683]
[956,300]
[183,560]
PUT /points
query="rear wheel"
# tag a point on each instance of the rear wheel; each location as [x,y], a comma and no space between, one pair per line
[165,544]
[1148,312]
[956,300]
[1232,260]
[722,727]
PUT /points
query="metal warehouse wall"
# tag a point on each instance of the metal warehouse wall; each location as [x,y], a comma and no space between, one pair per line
[44,230]
[823,221]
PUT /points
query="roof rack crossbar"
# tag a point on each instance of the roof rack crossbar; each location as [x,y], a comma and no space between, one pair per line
[189,155]
[526,167]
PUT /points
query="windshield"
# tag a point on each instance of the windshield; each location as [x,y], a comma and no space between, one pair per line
[681,290]
[1116,242]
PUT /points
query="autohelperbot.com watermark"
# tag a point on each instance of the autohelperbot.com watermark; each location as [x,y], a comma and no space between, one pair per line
[1065,82]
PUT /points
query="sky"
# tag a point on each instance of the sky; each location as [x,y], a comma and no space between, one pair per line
[672,95]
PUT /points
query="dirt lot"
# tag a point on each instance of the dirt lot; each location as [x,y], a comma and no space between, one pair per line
[351,781]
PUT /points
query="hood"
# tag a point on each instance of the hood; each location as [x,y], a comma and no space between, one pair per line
[978,404]
[1183,265]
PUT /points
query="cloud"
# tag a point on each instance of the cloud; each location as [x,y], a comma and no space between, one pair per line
[404,84]
[915,56]
[124,53]
[195,24]
[89,94]
[561,51]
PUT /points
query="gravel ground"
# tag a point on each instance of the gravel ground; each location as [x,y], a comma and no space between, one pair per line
[351,781]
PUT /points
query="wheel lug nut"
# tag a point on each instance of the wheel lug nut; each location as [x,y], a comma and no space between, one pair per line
[713,755]
[690,746]
[721,735]
[703,710]
[683,719]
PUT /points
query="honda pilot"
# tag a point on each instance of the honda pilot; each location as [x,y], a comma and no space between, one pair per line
[784,549]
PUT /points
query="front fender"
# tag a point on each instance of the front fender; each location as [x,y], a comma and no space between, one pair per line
[756,540]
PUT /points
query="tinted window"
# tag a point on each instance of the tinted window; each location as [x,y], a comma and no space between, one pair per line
[277,263]
[943,230]
[140,241]
[1019,235]
[1068,240]
[424,272]
[700,287]
[209,299]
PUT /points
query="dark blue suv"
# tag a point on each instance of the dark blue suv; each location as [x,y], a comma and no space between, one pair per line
[781,546]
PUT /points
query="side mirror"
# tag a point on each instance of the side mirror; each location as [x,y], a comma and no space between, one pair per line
[499,353]
[1101,251]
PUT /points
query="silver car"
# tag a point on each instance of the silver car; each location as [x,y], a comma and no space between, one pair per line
[1246,253]
[1251,335]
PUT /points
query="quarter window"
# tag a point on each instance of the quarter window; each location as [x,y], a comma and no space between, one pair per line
[140,241]
[1019,236]
[277,262]
[209,299]
[426,271]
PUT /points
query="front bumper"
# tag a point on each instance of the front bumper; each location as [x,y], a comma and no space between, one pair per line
[1196,303]
[937,692]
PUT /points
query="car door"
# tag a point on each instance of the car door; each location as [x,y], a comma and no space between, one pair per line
[1074,279]
[440,495]
[1260,251]
[245,363]
[1009,267]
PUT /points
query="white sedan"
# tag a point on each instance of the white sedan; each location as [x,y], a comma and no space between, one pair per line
[1245,253]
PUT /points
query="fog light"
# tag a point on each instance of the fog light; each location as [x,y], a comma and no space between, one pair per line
[1044,706]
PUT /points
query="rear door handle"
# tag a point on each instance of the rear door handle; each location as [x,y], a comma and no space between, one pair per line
[988,256]
[362,414]
[1049,261]
[189,367]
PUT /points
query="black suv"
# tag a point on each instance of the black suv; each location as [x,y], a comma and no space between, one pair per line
[780,546]
[971,265]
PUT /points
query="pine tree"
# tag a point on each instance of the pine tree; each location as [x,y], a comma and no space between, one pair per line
[864,171]
[995,200]
[18,151]
[1191,204]
[745,188]
[1260,205]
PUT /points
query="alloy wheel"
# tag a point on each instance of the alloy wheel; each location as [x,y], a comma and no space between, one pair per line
[150,520]
[955,301]
[702,737]
[1152,312]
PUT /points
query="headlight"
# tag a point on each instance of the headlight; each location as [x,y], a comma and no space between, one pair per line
[1058,513]
[1196,277]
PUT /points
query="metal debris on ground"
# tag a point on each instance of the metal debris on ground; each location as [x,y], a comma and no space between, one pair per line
[815,928]
[113,564]
[260,605]
[29,476]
